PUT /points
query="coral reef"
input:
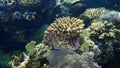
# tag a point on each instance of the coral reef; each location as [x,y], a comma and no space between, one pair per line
[67,44]
[64,29]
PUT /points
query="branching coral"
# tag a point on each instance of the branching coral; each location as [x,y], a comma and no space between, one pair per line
[34,57]
[102,30]
[93,13]
[104,34]
[64,29]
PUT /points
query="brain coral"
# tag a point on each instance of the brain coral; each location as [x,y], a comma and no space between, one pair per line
[65,30]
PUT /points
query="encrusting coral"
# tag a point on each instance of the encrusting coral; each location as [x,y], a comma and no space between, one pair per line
[66,29]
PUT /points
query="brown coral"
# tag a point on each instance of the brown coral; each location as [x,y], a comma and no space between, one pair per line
[64,29]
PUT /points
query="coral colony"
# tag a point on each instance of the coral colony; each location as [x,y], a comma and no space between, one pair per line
[67,44]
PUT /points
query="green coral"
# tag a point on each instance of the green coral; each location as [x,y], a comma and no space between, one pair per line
[84,47]
[61,43]
[30,46]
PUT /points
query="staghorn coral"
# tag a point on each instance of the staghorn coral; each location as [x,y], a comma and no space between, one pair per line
[64,29]
[93,13]
[29,2]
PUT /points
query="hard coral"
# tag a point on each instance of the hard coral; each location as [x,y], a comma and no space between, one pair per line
[93,13]
[105,35]
[64,29]
[34,59]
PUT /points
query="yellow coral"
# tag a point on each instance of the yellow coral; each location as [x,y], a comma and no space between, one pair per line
[66,25]
[30,46]
[67,29]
